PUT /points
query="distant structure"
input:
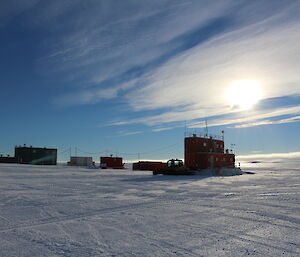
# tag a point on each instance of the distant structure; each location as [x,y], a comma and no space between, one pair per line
[206,151]
[35,155]
[7,159]
[109,162]
[148,165]
[80,161]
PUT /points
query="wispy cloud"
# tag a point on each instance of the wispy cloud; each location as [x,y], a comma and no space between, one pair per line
[193,83]
[175,57]
[120,44]
[131,133]
[11,9]
[254,118]
[269,122]
[123,133]
[117,39]
[85,97]
[161,129]
[291,156]
[203,74]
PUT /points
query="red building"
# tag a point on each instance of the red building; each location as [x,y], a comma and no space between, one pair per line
[148,165]
[111,162]
[202,152]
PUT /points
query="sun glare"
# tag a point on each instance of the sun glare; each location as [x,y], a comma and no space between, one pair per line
[244,94]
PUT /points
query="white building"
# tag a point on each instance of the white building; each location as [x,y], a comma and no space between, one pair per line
[80,161]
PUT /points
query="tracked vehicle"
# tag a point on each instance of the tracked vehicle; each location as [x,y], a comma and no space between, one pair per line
[174,167]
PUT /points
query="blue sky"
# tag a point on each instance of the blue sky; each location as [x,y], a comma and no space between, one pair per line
[126,77]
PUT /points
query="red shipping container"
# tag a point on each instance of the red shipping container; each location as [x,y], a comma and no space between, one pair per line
[148,165]
[111,162]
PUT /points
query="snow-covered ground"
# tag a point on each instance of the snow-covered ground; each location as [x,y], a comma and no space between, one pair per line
[71,211]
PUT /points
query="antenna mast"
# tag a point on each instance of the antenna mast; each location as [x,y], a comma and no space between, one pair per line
[206,128]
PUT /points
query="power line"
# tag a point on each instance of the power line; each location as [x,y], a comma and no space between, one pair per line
[152,151]
[123,153]
[83,151]
[64,151]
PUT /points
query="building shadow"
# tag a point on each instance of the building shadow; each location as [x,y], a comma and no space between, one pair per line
[152,178]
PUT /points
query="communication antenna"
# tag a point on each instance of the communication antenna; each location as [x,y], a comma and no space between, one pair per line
[206,128]
[232,147]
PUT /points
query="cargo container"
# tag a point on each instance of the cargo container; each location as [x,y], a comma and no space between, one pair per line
[148,165]
[80,161]
[109,162]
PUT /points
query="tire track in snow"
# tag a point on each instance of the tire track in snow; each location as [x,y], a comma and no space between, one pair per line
[251,239]
[92,214]
[190,202]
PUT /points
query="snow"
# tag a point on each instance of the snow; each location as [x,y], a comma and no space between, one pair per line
[73,211]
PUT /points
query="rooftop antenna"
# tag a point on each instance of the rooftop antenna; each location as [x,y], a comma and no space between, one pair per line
[232,147]
[206,128]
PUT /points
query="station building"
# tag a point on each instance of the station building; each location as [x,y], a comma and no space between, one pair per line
[203,152]
[35,155]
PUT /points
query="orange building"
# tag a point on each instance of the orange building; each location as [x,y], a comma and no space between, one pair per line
[202,152]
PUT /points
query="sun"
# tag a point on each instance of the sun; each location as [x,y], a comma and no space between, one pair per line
[244,94]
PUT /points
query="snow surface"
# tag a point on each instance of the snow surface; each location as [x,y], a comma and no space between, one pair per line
[72,211]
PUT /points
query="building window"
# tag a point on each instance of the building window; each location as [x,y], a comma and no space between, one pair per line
[204,144]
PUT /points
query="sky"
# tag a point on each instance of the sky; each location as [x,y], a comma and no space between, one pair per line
[129,77]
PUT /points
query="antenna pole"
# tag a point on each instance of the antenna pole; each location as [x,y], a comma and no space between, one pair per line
[206,128]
